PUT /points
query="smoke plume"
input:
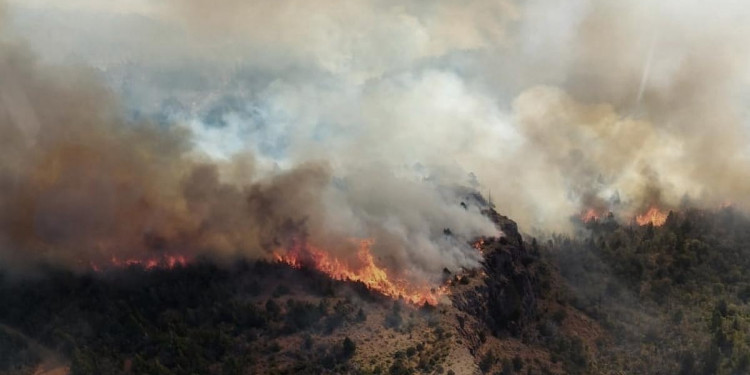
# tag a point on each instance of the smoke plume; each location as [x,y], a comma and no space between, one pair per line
[83,186]
[234,129]
[556,109]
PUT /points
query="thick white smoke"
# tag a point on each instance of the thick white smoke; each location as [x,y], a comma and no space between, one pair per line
[85,184]
[362,119]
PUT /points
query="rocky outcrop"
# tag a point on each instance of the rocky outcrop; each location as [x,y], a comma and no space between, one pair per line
[506,300]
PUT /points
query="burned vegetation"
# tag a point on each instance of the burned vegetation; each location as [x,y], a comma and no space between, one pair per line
[269,317]
[612,298]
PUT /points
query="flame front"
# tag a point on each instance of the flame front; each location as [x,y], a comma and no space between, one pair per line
[653,216]
[366,272]
[149,263]
[590,215]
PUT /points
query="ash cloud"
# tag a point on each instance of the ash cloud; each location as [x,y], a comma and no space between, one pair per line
[232,127]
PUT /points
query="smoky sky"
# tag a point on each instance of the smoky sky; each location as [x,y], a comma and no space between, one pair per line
[230,127]
[87,181]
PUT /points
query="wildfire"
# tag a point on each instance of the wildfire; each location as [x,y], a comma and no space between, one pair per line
[652,216]
[366,272]
[149,263]
[590,215]
[478,245]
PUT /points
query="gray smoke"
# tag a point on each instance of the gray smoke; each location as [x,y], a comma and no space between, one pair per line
[556,108]
[83,184]
[231,127]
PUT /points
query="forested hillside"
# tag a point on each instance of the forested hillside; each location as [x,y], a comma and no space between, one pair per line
[673,298]
[612,298]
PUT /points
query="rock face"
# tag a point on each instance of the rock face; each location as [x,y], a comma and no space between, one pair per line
[507,299]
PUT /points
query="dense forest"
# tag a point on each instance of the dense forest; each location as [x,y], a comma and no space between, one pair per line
[673,298]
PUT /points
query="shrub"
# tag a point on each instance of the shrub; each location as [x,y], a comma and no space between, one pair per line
[488,359]
[559,315]
[361,317]
[348,348]
[280,290]
[272,309]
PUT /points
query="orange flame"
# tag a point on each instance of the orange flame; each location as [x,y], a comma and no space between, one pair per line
[590,215]
[367,272]
[149,263]
[478,245]
[653,216]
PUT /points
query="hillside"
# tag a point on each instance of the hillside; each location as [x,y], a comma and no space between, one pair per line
[260,317]
[612,299]
[672,298]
